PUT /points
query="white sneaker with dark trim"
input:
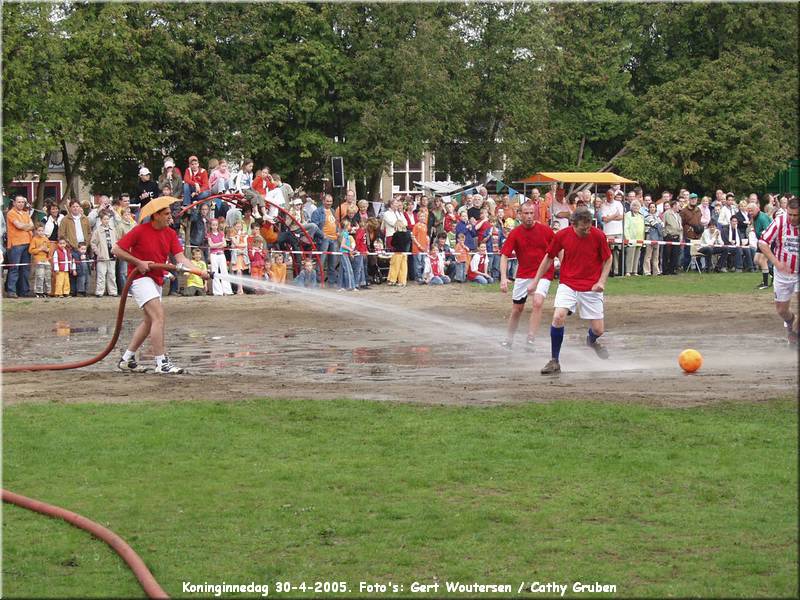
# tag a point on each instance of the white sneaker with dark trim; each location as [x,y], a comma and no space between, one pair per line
[167,368]
[130,366]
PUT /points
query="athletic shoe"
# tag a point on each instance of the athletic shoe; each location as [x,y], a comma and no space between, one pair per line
[598,348]
[552,368]
[763,287]
[529,345]
[506,344]
[130,366]
[167,368]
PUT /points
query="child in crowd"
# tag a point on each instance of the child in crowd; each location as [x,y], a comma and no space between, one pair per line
[420,245]
[257,257]
[195,286]
[398,266]
[478,271]
[360,253]
[346,246]
[103,239]
[220,179]
[39,249]
[82,276]
[277,272]
[307,276]
[240,261]
[63,265]
[462,258]
[216,250]
[435,275]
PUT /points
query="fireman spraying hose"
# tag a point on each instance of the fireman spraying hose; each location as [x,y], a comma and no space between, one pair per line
[146,249]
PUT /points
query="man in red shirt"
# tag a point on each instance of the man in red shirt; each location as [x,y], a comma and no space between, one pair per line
[143,245]
[585,265]
[529,242]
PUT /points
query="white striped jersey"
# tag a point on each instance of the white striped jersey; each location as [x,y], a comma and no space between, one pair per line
[786,240]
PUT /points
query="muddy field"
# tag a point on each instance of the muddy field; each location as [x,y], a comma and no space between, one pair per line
[418,344]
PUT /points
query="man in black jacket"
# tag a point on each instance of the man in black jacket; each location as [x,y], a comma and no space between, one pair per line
[147,189]
[731,237]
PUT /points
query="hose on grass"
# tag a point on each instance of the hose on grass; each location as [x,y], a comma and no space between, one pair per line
[140,570]
[136,564]
[123,297]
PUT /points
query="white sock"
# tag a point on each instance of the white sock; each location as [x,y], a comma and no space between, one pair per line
[161,359]
[128,355]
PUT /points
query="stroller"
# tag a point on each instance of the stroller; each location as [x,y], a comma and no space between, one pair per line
[378,268]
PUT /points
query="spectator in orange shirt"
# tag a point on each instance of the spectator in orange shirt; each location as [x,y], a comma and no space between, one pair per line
[19,228]
[541,207]
[420,244]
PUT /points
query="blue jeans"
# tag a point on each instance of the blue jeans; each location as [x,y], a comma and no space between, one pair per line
[346,280]
[187,195]
[494,268]
[461,272]
[122,274]
[481,280]
[78,282]
[359,272]
[329,261]
[437,280]
[18,277]
[419,265]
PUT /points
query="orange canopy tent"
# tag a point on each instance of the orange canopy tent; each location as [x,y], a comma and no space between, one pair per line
[588,177]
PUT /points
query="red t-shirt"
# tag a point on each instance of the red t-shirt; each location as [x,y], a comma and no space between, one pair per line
[361,241]
[583,257]
[530,246]
[147,243]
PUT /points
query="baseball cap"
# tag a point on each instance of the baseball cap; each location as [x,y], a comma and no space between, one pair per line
[144,171]
[191,158]
[297,201]
[169,163]
[692,195]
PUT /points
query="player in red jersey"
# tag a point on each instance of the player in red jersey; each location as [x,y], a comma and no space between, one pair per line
[529,241]
[585,265]
[142,246]
[784,233]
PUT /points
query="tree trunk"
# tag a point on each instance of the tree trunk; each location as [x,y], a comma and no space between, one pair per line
[69,190]
[374,186]
[580,159]
[38,201]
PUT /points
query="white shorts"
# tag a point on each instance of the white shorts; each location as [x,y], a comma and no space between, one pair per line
[785,286]
[590,304]
[520,293]
[145,289]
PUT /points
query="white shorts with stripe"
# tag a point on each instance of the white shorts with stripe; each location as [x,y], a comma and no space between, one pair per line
[785,286]
[590,304]
[520,293]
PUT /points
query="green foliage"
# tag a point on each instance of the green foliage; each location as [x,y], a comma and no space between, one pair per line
[698,94]
[710,127]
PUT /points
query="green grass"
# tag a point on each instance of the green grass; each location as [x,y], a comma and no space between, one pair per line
[693,502]
[684,284]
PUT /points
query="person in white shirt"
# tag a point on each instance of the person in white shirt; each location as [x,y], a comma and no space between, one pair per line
[390,219]
[710,244]
[611,214]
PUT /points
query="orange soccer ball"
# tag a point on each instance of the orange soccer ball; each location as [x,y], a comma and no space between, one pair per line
[690,360]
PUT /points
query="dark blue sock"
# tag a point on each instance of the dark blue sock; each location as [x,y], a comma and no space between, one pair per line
[556,338]
[592,336]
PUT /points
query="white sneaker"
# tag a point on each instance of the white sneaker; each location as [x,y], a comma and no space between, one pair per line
[167,368]
[130,366]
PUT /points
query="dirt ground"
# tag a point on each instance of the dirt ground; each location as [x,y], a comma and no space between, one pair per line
[418,344]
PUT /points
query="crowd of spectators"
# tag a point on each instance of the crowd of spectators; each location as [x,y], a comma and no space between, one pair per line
[66,249]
